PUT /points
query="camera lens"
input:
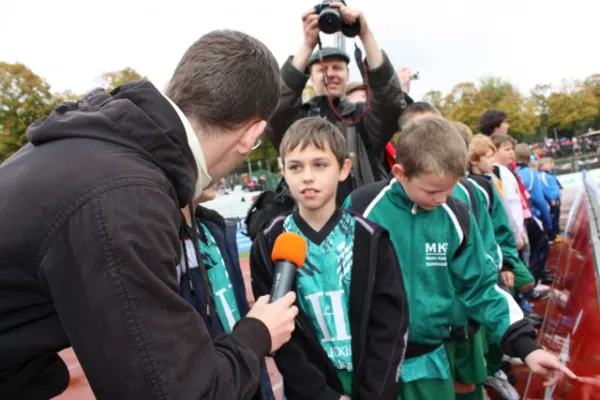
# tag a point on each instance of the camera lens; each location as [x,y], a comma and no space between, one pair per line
[330,20]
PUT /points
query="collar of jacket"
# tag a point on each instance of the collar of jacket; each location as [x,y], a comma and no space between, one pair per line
[203,179]
[401,199]
[522,166]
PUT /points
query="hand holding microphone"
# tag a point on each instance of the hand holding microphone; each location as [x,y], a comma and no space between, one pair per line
[277,311]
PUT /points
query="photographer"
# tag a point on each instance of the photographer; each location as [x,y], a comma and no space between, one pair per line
[377,119]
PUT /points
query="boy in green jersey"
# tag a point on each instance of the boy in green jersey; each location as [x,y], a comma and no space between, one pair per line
[440,248]
[351,328]
[465,346]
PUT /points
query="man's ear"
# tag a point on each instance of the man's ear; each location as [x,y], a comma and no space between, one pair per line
[250,135]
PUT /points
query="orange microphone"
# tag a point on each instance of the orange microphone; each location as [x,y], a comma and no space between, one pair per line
[289,253]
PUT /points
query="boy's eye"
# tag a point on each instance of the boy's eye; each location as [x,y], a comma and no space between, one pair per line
[293,167]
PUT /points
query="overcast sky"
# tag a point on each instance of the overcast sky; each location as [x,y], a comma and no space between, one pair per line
[71,43]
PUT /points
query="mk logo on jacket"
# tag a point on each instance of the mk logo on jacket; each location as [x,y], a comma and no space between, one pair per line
[436,254]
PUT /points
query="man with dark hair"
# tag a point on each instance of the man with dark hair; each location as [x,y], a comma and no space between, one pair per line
[368,137]
[494,121]
[92,232]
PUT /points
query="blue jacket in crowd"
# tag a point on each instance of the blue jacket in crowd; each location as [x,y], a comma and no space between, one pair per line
[533,184]
[550,186]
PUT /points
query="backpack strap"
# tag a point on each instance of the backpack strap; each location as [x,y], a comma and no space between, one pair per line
[364,196]
[486,186]
[459,213]
[496,170]
[472,197]
[267,206]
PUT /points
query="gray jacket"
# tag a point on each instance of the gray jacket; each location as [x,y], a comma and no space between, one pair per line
[373,131]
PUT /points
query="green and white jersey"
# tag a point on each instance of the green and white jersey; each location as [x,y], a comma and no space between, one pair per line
[323,283]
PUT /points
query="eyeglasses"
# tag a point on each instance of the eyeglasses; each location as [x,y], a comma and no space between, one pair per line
[257,144]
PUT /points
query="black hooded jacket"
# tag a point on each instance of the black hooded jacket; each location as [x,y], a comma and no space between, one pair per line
[89,244]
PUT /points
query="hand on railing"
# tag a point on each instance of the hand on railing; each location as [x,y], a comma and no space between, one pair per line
[543,363]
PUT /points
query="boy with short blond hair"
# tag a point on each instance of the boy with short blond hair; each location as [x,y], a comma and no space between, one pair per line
[353,314]
[465,348]
[435,237]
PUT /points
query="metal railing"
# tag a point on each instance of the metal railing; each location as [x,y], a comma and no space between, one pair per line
[593,209]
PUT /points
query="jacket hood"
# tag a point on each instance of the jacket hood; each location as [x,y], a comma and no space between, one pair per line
[134,115]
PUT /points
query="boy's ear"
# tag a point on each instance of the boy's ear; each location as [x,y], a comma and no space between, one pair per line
[345,170]
[398,171]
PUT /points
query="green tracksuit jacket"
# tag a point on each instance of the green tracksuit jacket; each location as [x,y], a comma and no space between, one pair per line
[466,191]
[442,259]
[502,229]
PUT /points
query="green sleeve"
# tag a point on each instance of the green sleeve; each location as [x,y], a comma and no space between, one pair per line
[503,232]
[475,277]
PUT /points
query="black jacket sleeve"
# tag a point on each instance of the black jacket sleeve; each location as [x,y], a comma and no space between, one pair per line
[387,104]
[302,379]
[111,270]
[387,329]
[293,83]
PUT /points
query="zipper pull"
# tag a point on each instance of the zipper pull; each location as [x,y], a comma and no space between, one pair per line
[414,210]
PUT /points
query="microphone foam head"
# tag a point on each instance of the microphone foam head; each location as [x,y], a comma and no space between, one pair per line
[290,246]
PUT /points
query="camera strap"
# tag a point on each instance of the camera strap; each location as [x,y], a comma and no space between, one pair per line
[360,64]
[365,75]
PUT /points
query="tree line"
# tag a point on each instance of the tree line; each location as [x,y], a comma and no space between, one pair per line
[567,109]
[25,97]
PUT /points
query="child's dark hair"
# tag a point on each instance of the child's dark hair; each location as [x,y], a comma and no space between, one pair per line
[317,132]
[490,120]
[418,108]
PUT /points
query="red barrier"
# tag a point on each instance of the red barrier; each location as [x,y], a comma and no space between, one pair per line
[571,327]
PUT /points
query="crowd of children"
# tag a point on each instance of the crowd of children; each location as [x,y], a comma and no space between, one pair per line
[418,287]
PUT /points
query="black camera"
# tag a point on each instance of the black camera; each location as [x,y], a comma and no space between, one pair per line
[330,21]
